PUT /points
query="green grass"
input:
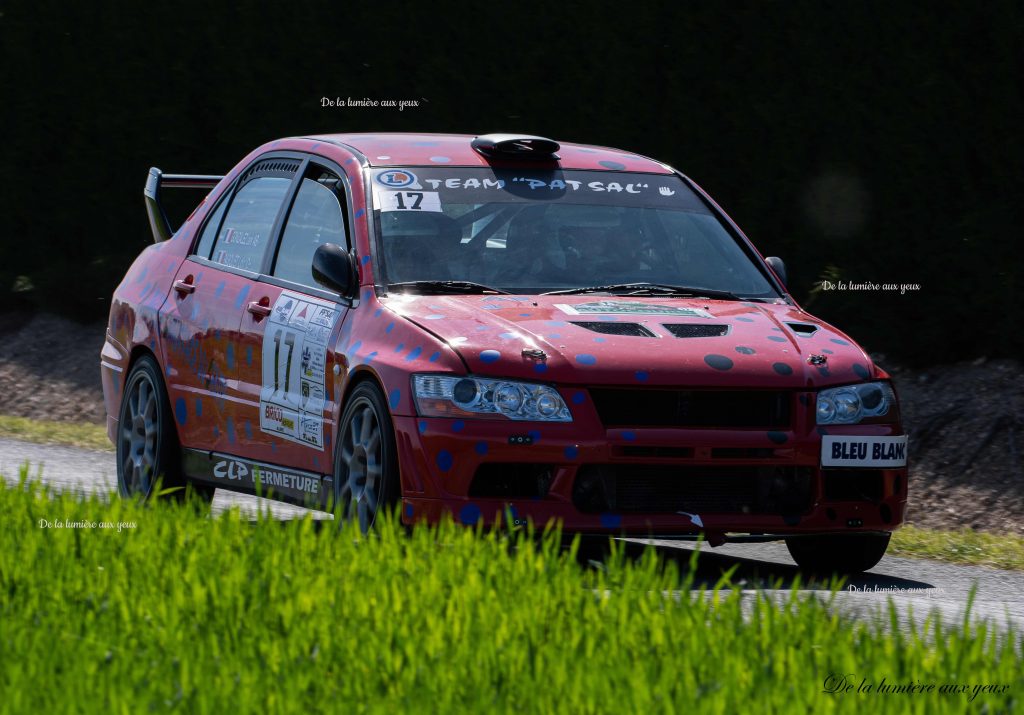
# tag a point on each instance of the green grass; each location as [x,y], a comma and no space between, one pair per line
[74,434]
[187,613]
[979,548]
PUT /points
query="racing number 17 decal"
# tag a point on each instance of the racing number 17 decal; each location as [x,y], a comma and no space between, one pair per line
[294,389]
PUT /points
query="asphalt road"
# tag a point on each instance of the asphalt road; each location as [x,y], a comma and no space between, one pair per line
[915,586]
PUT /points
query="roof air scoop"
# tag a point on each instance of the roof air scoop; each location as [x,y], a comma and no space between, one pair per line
[515,145]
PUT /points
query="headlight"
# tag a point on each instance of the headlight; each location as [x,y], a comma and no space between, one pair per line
[867,402]
[451,396]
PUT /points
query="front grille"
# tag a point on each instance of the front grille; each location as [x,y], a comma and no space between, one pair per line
[852,484]
[692,408]
[696,330]
[512,481]
[634,329]
[653,489]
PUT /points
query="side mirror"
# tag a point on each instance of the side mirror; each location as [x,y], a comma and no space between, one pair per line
[776,264]
[335,269]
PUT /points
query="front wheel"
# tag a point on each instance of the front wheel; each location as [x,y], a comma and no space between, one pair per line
[839,553]
[366,461]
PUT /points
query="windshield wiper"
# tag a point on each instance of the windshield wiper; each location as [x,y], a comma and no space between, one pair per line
[446,287]
[649,289]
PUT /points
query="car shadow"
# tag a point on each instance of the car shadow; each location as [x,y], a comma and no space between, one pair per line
[758,573]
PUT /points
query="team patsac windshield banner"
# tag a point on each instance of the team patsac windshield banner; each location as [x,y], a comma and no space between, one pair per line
[434,189]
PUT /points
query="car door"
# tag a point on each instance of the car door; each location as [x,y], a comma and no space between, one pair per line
[288,329]
[211,289]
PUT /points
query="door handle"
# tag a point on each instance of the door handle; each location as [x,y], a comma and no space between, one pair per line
[185,287]
[259,309]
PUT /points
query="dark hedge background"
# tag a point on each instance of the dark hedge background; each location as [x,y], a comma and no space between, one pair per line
[862,141]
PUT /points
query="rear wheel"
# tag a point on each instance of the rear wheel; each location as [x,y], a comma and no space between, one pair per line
[147,441]
[839,553]
[366,461]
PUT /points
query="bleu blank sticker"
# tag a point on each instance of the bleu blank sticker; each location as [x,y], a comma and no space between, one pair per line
[850,451]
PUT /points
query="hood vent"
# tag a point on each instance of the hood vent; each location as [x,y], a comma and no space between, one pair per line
[804,329]
[634,329]
[696,330]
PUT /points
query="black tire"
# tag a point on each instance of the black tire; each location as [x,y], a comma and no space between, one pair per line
[366,481]
[839,553]
[147,439]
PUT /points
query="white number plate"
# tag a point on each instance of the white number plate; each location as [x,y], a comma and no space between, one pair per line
[846,451]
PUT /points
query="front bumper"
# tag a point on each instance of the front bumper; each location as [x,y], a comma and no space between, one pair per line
[448,467]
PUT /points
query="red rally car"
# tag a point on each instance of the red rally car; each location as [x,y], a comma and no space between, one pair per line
[495,327]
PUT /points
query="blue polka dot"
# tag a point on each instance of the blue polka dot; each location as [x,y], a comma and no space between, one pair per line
[607,318]
[180,411]
[744,350]
[391,326]
[248,430]
[719,362]
[376,313]
[776,339]
[400,347]
[425,143]
[745,320]
[248,356]
[440,159]
[231,430]
[422,426]
[367,294]
[434,357]
[360,213]
[827,351]
[578,398]
[524,315]
[458,426]
[823,371]
[557,323]
[481,448]
[534,435]
[614,165]
[861,371]
[586,359]
[242,295]
[435,316]
[555,336]
[195,310]
[229,356]
[598,340]
[355,347]
[481,328]
[778,437]
[369,358]
[408,510]
[365,260]
[394,398]
[782,368]
[611,521]
[199,407]
[216,431]
[629,436]
[414,353]
[641,375]
[837,341]
[571,452]
[540,367]
[220,289]
[445,460]
[469,514]
[507,336]
[490,355]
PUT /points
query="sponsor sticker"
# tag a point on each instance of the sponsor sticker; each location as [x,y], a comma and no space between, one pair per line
[846,451]
[396,178]
[292,397]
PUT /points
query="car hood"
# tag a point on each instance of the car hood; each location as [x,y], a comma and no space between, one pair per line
[726,343]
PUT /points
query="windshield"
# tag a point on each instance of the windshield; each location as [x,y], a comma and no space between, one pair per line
[536,231]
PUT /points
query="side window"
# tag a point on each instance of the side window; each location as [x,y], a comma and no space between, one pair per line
[246,229]
[316,218]
[210,230]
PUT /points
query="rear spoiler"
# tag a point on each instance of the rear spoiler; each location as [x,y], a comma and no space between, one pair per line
[157,180]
